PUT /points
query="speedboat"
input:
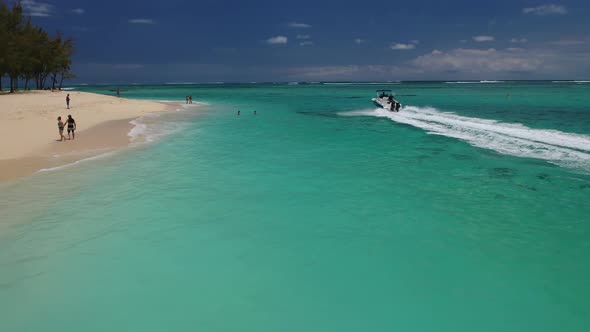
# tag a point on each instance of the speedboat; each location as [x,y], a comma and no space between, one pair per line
[386,100]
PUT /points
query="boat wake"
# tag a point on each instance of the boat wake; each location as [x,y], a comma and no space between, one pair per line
[563,149]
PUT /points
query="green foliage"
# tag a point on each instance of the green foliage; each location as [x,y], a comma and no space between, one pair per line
[27,52]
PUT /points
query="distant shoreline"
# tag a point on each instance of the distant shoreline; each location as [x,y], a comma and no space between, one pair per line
[131,84]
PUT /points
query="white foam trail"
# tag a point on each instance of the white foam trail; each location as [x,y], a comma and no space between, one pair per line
[564,149]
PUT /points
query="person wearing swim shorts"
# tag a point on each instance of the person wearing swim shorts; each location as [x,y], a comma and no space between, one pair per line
[68,101]
[71,127]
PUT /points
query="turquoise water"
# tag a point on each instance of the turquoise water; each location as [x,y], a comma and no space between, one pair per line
[467,211]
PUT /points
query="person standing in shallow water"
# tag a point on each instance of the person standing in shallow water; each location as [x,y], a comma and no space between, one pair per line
[190,99]
[68,101]
[71,127]
[60,127]
[186,99]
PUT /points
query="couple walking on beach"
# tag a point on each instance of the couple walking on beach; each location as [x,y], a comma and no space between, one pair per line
[189,99]
[71,128]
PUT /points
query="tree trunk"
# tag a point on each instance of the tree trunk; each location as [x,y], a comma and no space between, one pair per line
[27,83]
[11,84]
[53,79]
[1,83]
[61,80]
[43,79]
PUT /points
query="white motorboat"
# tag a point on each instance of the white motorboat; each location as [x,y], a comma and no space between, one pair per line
[386,100]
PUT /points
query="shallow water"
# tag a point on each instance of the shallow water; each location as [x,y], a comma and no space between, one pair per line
[466,211]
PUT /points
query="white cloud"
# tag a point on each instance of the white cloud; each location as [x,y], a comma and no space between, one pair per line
[142,21]
[463,41]
[474,61]
[415,41]
[481,39]
[519,40]
[323,72]
[277,40]
[358,41]
[402,47]
[544,10]
[306,43]
[570,42]
[303,36]
[78,11]
[39,9]
[299,25]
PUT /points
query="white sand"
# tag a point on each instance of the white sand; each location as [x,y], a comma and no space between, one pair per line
[28,126]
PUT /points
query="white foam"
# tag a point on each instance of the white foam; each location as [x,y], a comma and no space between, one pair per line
[564,149]
[151,128]
[474,82]
[99,156]
[180,83]
[578,82]
[138,129]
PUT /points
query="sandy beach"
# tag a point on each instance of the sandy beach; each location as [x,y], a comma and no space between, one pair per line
[29,134]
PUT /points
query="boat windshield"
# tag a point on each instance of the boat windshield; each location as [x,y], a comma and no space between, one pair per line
[384,93]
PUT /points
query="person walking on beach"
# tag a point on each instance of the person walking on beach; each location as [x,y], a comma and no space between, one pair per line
[60,126]
[190,99]
[71,127]
[187,99]
[68,101]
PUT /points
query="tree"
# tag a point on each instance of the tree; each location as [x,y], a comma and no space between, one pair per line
[27,52]
[4,14]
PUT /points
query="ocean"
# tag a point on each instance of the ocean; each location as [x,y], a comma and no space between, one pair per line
[466,211]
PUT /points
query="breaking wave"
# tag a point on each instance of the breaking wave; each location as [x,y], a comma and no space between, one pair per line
[473,82]
[560,148]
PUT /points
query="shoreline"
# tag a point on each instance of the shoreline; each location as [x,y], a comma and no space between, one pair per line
[108,122]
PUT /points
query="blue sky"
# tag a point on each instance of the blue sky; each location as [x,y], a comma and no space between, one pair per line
[260,40]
